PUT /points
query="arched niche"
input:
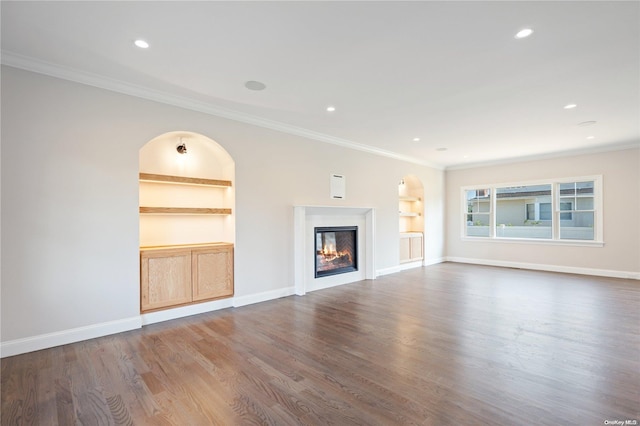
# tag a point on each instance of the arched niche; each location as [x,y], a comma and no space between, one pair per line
[411,204]
[411,221]
[204,159]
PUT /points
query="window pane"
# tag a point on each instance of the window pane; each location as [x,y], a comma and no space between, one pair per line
[568,189]
[478,200]
[524,212]
[584,188]
[484,206]
[478,212]
[579,228]
[571,189]
[584,203]
[545,211]
[479,227]
[564,206]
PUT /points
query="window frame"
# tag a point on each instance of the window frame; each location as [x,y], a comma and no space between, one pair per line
[556,212]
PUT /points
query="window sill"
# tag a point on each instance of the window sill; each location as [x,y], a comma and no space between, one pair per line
[578,243]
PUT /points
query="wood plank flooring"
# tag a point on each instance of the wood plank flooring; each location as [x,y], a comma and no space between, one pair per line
[445,344]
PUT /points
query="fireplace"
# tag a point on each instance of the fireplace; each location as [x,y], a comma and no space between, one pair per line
[336,250]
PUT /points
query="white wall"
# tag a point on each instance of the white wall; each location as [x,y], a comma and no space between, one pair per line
[620,255]
[70,203]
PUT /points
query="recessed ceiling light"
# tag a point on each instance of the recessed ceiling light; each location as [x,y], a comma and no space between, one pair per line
[441,149]
[331,108]
[587,123]
[255,85]
[416,139]
[591,137]
[141,44]
[525,32]
[570,106]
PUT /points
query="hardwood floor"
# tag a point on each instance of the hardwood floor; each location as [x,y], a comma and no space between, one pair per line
[445,344]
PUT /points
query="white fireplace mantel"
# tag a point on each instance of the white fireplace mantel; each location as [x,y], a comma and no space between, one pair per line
[303,242]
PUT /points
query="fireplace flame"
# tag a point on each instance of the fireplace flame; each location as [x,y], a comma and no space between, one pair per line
[329,250]
[329,253]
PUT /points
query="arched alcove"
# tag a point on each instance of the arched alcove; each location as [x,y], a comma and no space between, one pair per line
[411,220]
[204,159]
[187,227]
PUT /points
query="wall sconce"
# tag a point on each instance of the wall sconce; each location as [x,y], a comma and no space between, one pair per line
[182,148]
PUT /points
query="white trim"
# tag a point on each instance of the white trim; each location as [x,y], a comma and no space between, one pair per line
[388,271]
[333,281]
[434,261]
[58,338]
[404,266]
[185,311]
[42,67]
[569,153]
[549,268]
[410,265]
[542,241]
[299,248]
[546,181]
[263,296]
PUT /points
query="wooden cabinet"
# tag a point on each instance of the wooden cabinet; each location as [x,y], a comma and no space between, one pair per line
[178,275]
[411,245]
[212,272]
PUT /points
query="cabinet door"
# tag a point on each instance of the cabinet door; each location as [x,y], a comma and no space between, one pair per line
[405,249]
[165,278]
[212,272]
[416,248]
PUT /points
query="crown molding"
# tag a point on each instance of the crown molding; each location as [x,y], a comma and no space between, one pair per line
[569,153]
[26,63]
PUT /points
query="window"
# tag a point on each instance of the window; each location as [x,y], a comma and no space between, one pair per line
[478,216]
[523,211]
[578,199]
[560,210]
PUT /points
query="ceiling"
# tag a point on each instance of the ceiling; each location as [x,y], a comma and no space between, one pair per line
[449,73]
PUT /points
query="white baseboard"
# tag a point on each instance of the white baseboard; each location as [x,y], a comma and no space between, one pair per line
[387,271]
[328,283]
[409,265]
[434,261]
[49,340]
[549,268]
[185,311]
[263,297]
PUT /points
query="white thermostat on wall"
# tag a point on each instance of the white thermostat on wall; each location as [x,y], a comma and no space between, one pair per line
[337,186]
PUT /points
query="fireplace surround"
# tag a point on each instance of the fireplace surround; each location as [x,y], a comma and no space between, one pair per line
[306,219]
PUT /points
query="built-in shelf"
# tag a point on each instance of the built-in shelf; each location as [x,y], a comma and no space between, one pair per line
[410,199]
[409,214]
[150,177]
[183,210]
